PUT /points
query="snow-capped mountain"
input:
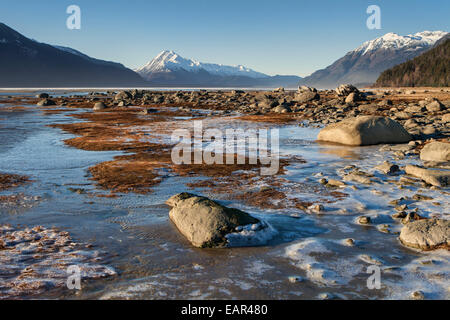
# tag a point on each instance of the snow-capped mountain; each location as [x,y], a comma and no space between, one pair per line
[28,63]
[168,61]
[363,65]
[393,41]
[170,69]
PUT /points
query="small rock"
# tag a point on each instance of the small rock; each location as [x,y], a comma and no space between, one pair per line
[421,197]
[412,216]
[326,296]
[46,102]
[352,97]
[306,97]
[42,95]
[446,118]
[438,178]
[281,109]
[436,151]
[369,259]
[295,279]
[346,89]
[355,177]
[148,111]
[306,89]
[384,228]
[335,183]
[317,208]
[417,295]
[99,106]
[388,168]
[435,106]
[123,95]
[363,220]
[349,242]
[402,115]
[399,215]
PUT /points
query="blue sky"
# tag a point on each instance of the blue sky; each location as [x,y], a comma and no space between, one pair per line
[275,37]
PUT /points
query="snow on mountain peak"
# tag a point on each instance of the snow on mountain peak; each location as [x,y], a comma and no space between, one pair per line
[394,41]
[167,61]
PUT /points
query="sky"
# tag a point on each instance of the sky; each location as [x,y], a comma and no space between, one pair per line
[275,37]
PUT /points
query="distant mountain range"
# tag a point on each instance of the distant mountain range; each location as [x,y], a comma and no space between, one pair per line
[28,63]
[170,69]
[363,65]
[430,69]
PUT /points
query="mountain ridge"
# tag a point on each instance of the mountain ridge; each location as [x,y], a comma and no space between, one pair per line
[170,69]
[364,64]
[28,63]
[168,60]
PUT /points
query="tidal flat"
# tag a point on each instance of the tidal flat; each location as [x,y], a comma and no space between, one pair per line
[88,187]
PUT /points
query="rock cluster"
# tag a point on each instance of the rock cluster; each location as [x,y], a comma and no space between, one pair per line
[422,119]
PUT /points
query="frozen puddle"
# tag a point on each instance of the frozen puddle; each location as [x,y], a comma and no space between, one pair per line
[35,260]
[430,274]
[251,235]
[331,270]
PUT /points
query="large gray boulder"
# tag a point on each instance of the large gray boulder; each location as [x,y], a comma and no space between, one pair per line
[426,234]
[438,178]
[365,130]
[206,223]
[436,151]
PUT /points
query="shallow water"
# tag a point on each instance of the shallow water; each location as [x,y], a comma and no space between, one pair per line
[154,261]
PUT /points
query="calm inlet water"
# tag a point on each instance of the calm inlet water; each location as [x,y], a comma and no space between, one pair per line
[306,258]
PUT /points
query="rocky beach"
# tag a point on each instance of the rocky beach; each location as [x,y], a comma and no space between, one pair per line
[87,178]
